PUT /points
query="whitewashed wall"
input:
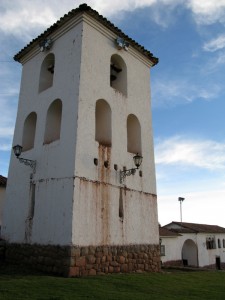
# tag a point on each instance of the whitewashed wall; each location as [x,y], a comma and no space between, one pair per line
[75,201]
[205,256]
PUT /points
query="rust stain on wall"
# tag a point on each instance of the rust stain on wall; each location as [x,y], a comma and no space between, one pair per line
[104,155]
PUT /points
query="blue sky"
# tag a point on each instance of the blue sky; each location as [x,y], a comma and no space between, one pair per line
[188,90]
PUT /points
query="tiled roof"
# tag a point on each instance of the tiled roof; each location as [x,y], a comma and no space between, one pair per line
[184,227]
[3,180]
[164,232]
[84,8]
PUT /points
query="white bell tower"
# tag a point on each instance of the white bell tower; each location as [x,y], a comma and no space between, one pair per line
[83,115]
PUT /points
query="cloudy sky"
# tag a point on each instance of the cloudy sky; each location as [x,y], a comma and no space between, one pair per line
[188,90]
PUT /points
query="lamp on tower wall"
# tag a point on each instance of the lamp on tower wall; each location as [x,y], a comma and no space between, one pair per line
[17,149]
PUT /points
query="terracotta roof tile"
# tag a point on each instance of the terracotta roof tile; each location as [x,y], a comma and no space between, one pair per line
[84,8]
[3,180]
[166,232]
[195,228]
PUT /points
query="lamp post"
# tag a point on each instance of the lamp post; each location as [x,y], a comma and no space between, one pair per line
[137,161]
[180,199]
[28,162]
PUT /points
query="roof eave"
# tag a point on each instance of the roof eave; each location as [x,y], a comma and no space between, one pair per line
[84,8]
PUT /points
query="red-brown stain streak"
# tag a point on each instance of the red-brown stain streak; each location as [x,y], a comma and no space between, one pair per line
[104,154]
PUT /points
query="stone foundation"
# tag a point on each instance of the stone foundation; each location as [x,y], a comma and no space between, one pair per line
[172,263]
[72,261]
[214,266]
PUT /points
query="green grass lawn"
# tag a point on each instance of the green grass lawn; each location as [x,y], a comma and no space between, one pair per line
[18,283]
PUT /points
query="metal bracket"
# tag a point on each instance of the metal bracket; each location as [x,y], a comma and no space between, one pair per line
[125,173]
[28,162]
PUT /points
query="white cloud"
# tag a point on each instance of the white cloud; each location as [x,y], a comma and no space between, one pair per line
[26,18]
[215,44]
[23,18]
[207,11]
[5,147]
[204,154]
[169,92]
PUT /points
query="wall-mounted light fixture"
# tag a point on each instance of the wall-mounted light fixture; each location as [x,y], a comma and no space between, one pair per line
[45,44]
[137,161]
[28,162]
[122,44]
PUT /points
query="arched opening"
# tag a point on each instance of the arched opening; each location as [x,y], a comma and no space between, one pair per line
[190,253]
[53,122]
[118,74]
[103,127]
[133,135]
[47,72]
[29,129]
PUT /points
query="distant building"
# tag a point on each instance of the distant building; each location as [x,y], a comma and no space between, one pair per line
[191,244]
[3,183]
[83,114]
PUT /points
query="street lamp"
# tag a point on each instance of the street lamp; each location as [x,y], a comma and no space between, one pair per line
[28,162]
[181,200]
[137,161]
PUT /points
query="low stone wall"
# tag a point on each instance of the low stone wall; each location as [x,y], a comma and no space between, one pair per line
[214,266]
[172,263]
[81,261]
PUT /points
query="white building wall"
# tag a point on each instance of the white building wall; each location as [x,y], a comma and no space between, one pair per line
[96,187]
[208,256]
[55,161]
[75,201]
[171,253]
[205,256]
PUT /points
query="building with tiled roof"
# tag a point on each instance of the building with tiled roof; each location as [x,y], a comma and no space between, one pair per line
[199,245]
[3,181]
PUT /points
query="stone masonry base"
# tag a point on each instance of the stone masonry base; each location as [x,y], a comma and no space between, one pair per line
[72,261]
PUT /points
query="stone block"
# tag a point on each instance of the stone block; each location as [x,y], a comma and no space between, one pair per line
[109,257]
[80,261]
[98,260]
[117,269]
[91,259]
[92,272]
[130,267]
[124,268]
[114,263]
[121,259]
[105,250]
[103,260]
[92,250]
[84,251]
[141,267]
[75,252]
[110,269]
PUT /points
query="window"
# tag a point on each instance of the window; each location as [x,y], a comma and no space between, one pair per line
[162,250]
[223,243]
[103,130]
[210,243]
[29,129]
[53,122]
[118,74]
[219,243]
[47,72]
[133,135]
